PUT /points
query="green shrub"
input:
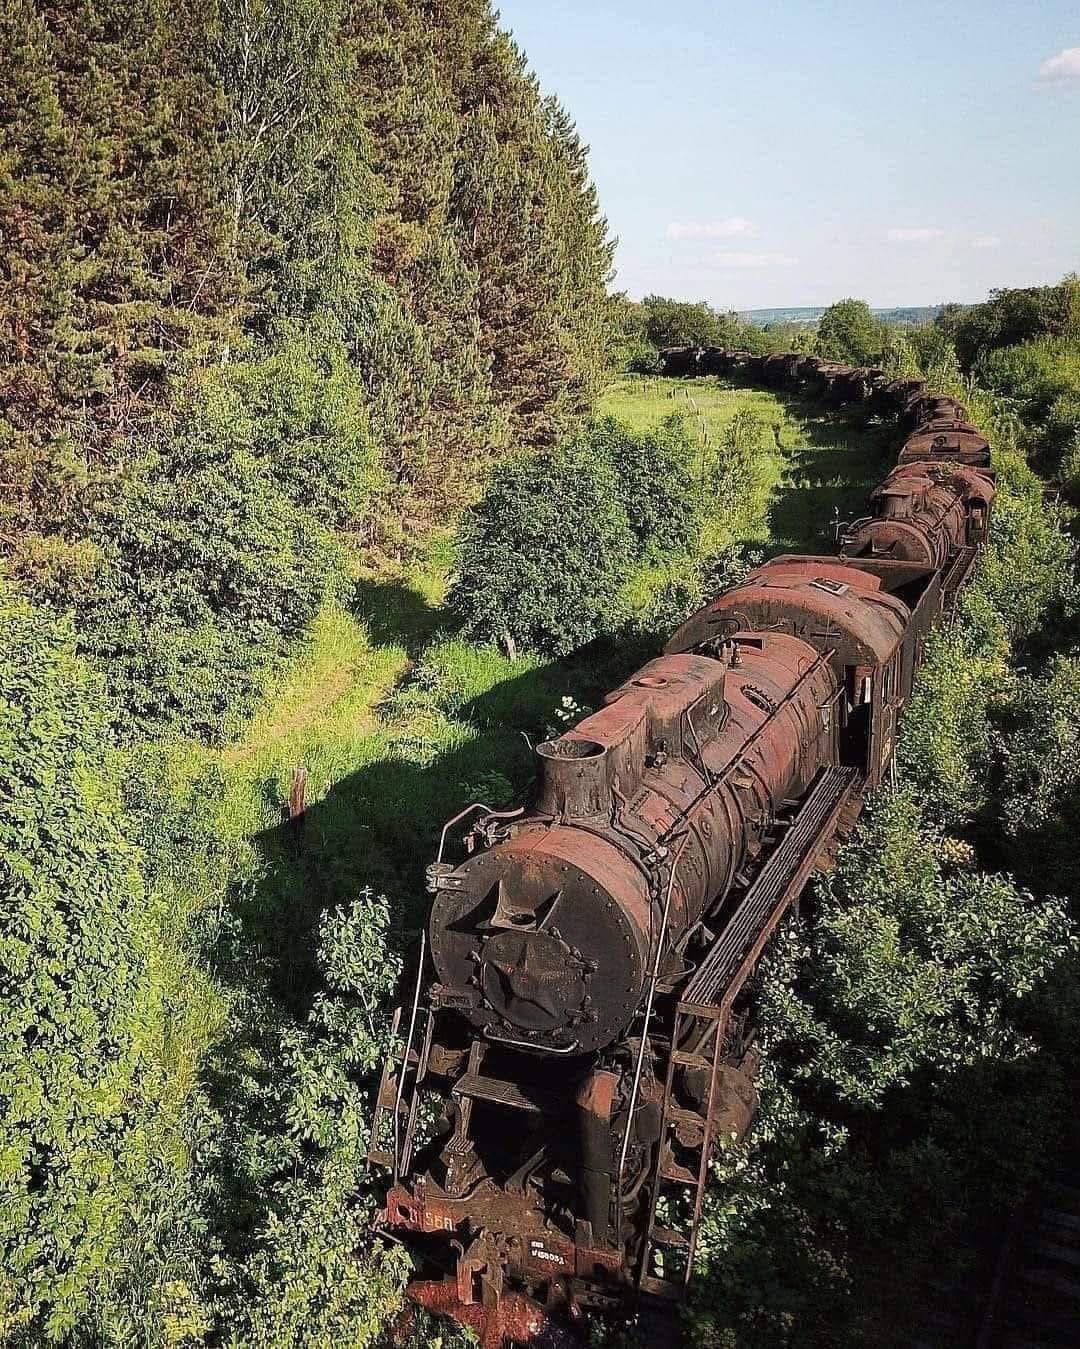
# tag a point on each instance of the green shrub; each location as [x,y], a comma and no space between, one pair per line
[1039,799]
[848,331]
[208,568]
[300,412]
[641,359]
[543,557]
[1027,575]
[1011,317]
[655,474]
[91,1067]
[917,961]
[1042,380]
[314,1273]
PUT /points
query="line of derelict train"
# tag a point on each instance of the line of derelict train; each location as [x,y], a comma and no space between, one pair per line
[578,1044]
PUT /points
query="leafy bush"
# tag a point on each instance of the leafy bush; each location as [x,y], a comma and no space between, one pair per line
[207,568]
[848,331]
[946,747]
[1010,317]
[1027,574]
[676,323]
[641,359]
[1039,802]
[90,1070]
[1042,379]
[917,963]
[297,1133]
[301,413]
[656,481]
[544,555]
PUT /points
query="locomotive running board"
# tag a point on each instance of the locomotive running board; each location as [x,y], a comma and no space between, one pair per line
[957,575]
[770,894]
[703,1014]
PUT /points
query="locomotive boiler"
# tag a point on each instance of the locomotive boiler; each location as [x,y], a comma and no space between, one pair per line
[923,512]
[579,1037]
[544,941]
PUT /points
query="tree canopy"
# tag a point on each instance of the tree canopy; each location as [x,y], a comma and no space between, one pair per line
[848,331]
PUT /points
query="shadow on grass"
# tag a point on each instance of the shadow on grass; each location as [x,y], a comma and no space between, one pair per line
[829,477]
[379,826]
[397,614]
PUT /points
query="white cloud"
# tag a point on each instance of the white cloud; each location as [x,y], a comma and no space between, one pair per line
[986,241]
[754,260]
[1064,68]
[735,226]
[920,235]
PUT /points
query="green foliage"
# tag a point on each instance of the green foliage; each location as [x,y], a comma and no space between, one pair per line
[124,268]
[656,486]
[90,1052]
[1039,802]
[300,412]
[676,323]
[532,566]
[946,747]
[917,963]
[679,323]
[208,566]
[1011,317]
[1028,573]
[900,355]
[543,557]
[848,331]
[629,345]
[1042,380]
[528,221]
[293,1135]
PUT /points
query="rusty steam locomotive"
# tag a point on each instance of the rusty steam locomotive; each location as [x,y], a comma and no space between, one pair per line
[578,1043]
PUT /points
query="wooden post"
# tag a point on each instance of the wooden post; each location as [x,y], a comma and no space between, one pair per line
[297,796]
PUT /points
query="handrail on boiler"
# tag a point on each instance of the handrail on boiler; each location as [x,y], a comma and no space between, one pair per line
[654,977]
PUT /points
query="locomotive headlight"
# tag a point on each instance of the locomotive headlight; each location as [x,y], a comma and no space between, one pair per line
[542,940]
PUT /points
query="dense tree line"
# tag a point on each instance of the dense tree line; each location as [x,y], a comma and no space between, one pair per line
[281,277]
[220,206]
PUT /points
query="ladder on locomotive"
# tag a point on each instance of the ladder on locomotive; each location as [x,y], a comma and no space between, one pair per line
[700,1034]
[399,1096]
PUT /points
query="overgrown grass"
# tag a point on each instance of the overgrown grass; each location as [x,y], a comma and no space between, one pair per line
[810,467]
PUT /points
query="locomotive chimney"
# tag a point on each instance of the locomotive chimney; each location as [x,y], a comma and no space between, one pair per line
[574,777]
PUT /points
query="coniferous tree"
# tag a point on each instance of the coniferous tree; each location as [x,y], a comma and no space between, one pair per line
[524,205]
[110,181]
[440,419]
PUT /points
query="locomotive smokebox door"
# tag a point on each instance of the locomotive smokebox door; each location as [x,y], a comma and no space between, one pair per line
[532,929]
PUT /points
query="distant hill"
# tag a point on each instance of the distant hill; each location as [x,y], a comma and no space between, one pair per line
[809,314]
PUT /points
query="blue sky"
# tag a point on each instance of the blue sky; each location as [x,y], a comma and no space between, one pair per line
[762,153]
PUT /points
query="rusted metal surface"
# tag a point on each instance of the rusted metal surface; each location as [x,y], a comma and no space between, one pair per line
[545,938]
[582,1042]
[824,603]
[679,361]
[923,512]
[946,441]
[511,1319]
